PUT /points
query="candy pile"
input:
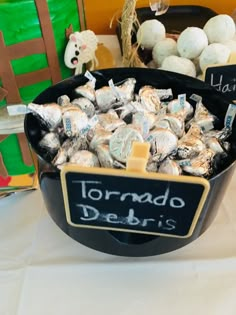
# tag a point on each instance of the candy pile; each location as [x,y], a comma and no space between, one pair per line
[97,129]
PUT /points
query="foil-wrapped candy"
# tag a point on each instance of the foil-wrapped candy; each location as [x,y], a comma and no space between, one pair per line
[49,114]
[68,148]
[85,105]
[110,121]
[186,111]
[152,166]
[125,91]
[171,122]
[201,165]
[74,121]
[216,140]
[61,157]
[87,91]
[221,135]
[105,98]
[144,121]
[121,142]
[163,143]
[104,156]
[164,94]
[92,131]
[63,100]
[203,118]
[191,143]
[131,108]
[149,99]
[85,158]
[101,136]
[50,142]
[169,166]
[214,144]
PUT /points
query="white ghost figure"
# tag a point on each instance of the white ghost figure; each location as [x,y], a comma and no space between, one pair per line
[81,49]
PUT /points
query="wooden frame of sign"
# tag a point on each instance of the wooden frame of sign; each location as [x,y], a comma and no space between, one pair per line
[222,77]
[133,201]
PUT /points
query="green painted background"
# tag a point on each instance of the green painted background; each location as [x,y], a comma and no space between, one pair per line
[12,157]
[19,22]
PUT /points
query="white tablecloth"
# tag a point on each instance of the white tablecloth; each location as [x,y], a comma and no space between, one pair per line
[45,272]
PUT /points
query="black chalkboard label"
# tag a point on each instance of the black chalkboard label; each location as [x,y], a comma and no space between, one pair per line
[223,79]
[140,202]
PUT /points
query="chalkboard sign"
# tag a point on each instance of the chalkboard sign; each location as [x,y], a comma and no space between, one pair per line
[140,202]
[223,79]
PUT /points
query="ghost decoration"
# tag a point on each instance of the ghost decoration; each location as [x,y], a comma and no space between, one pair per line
[80,50]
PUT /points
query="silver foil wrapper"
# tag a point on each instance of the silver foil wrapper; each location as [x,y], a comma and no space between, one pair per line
[68,148]
[84,158]
[125,91]
[164,94]
[149,99]
[171,122]
[61,157]
[63,100]
[121,142]
[163,143]
[152,166]
[144,121]
[186,112]
[49,114]
[110,121]
[203,118]
[87,91]
[201,165]
[74,121]
[104,156]
[221,135]
[50,142]
[105,98]
[214,144]
[94,133]
[85,105]
[101,136]
[169,166]
[131,108]
[191,144]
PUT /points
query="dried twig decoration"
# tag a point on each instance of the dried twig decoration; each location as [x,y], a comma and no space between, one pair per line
[128,19]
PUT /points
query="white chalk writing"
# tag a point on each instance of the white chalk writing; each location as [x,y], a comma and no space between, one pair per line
[218,83]
[89,214]
[96,194]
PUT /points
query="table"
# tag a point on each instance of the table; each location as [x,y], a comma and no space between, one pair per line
[43,271]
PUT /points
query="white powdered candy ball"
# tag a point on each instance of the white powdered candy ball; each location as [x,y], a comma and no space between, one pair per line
[220,28]
[191,42]
[214,54]
[164,48]
[179,65]
[150,32]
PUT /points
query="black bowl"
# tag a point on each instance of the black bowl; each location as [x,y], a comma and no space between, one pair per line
[124,243]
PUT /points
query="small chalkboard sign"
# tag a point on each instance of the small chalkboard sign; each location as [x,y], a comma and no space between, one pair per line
[132,201]
[223,79]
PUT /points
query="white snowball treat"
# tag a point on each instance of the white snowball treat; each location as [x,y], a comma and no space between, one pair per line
[150,32]
[191,42]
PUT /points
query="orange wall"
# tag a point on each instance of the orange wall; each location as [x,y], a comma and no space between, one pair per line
[99,13]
